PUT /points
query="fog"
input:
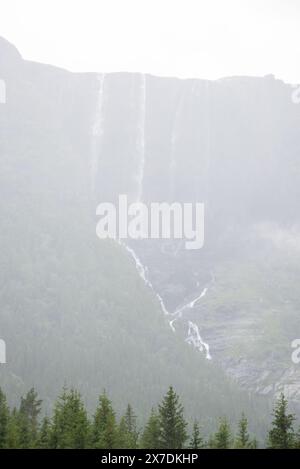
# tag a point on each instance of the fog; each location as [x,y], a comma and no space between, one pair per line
[193,38]
[114,122]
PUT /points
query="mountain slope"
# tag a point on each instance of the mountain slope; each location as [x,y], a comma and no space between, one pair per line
[74,309]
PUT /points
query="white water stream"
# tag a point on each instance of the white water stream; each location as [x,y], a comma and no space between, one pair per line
[97,132]
[141,138]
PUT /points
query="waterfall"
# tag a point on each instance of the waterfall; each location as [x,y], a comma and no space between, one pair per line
[143,273]
[192,303]
[194,338]
[97,132]
[172,170]
[140,143]
[171,323]
[208,139]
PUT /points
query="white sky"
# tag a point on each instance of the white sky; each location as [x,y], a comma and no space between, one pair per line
[185,38]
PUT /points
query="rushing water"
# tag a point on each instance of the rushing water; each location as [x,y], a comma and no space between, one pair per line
[143,273]
[193,337]
[141,138]
[97,132]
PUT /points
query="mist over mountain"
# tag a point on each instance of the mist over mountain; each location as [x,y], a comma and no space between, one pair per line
[93,314]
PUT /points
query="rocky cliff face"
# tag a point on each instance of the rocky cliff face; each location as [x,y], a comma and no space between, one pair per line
[232,144]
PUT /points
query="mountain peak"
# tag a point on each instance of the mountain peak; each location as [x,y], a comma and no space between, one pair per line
[8,52]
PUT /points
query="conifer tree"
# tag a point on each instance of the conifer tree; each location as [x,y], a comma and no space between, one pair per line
[13,431]
[105,427]
[223,438]
[4,420]
[124,438]
[70,426]
[44,434]
[297,440]
[281,435]
[25,439]
[151,434]
[243,438]
[253,443]
[130,427]
[30,408]
[196,441]
[211,442]
[173,433]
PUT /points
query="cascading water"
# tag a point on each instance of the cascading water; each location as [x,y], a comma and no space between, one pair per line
[140,143]
[194,338]
[192,303]
[174,136]
[208,138]
[143,273]
[97,132]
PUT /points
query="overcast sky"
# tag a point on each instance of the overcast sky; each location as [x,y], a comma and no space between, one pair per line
[185,38]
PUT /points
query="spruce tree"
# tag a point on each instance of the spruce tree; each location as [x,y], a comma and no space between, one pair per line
[223,438]
[130,426]
[13,430]
[243,438]
[4,420]
[253,443]
[281,435]
[44,434]
[196,441]
[105,426]
[70,426]
[211,442]
[124,440]
[151,434]
[297,440]
[29,411]
[173,433]
[25,439]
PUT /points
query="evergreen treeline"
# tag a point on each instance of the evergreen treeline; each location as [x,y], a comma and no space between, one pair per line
[71,427]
